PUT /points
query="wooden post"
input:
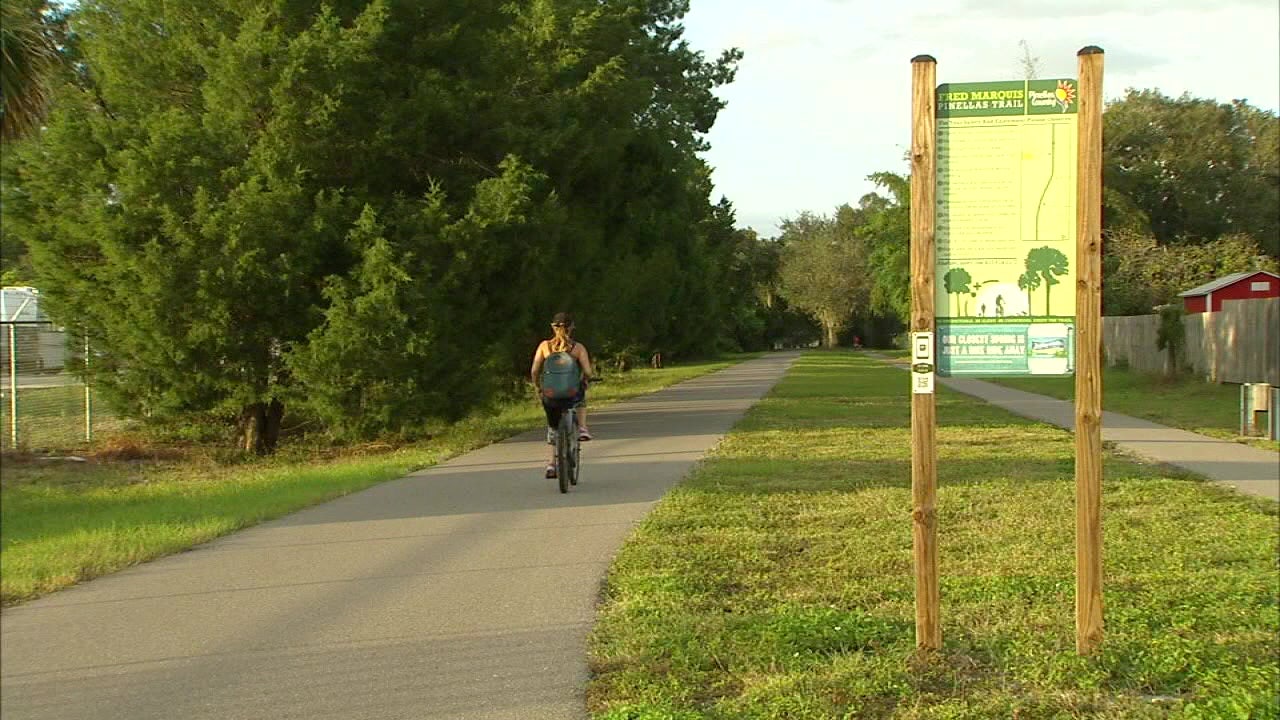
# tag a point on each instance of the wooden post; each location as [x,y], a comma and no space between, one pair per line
[924,452]
[1089,356]
[88,397]
[13,386]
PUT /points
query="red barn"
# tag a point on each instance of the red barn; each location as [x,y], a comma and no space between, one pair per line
[1236,286]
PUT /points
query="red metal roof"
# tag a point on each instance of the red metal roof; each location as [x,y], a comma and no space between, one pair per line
[1224,281]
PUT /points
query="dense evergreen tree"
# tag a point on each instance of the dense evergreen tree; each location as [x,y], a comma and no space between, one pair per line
[371,207]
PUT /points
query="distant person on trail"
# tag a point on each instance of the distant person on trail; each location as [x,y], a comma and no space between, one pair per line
[560,372]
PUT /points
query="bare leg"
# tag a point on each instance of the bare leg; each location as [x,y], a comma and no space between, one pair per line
[551,460]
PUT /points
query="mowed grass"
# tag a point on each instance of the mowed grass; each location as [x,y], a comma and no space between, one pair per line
[61,523]
[1186,401]
[776,582]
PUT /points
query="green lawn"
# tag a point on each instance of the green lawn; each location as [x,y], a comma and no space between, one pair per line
[776,582]
[1184,402]
[64,522]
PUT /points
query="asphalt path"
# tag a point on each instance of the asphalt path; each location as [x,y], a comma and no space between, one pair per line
[465,591]
[1249,470]
[37,381]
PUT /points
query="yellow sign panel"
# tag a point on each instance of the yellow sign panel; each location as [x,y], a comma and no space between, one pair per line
[1006,227]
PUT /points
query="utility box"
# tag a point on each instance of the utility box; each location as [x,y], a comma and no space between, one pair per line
[1257,416]
[1275,414]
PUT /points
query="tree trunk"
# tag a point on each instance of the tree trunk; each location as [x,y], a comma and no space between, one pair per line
[829,333]
[253,420]
[260,427]
[275,414]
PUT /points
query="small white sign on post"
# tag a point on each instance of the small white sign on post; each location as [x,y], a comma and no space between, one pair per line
[922,367]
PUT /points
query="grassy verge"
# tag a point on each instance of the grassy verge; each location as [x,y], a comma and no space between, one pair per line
[1183,402]
[65,522]
[776,582]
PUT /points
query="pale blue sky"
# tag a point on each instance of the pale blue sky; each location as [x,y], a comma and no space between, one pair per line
[822,98]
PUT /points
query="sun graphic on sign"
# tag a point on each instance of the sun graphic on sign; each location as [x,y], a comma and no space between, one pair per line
[1066,94]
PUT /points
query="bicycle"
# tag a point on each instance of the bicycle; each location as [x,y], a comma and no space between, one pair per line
[568,449]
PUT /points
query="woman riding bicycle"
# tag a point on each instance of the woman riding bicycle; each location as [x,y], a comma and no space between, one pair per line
[562,342]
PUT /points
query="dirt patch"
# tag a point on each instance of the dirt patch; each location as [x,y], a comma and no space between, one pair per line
[131,449]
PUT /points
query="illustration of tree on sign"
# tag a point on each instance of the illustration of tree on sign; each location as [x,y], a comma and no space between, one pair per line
[1029,281]
[956,282]
[1049,264]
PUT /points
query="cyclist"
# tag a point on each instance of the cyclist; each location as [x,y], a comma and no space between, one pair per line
[562,342]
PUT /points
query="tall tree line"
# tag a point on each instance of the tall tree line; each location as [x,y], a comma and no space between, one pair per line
[1191,193]
[368,209]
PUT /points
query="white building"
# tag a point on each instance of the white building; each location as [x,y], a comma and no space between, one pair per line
[42,347]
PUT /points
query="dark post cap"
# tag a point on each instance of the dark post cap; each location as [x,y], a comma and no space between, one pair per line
[1090,50]
[923,58]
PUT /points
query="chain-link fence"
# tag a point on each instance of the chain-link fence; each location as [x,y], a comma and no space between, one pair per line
[44,402]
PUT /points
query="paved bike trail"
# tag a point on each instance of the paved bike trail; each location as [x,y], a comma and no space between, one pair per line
[1249,470]
[464,591]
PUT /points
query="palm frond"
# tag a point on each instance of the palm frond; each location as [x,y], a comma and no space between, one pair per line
[27,58]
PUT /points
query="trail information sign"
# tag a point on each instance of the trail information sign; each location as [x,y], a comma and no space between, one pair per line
[1006,227]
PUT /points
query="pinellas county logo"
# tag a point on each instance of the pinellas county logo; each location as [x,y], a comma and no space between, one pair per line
[1062,96]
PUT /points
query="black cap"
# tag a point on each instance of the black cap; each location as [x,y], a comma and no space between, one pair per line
[562,318]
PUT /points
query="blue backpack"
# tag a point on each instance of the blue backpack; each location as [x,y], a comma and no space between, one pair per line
[561,377]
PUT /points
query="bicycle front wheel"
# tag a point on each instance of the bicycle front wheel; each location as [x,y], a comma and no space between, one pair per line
[575,458]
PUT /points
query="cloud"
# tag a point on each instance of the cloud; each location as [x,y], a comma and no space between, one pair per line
[1069,9]
[1125,61]
[765,224]
[823,97]
[778,40]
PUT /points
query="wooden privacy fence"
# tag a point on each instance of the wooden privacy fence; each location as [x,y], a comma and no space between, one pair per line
[1238,344]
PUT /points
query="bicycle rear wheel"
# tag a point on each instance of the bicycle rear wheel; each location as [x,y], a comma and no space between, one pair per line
[564,465]
[575,456]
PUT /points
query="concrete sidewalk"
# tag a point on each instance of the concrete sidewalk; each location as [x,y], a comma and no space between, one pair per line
[462,592]
[1248,469]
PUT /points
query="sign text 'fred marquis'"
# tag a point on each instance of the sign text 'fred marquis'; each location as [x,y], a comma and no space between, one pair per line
[1006,227]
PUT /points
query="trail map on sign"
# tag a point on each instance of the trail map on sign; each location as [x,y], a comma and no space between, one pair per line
[1006,227]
